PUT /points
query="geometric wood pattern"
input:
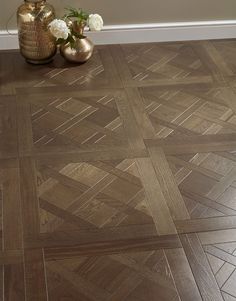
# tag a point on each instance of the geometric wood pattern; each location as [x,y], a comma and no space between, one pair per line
[118,176]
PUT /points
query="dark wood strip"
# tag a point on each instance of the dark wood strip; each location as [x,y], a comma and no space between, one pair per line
[206,224]
[195,144]
[25,134]
[12,223]
[182,275]
[29,198]
[113,247]
[54,157]
[93,235]
[178,82]
[8,132]
[14,289]
[35,276]
[200,268]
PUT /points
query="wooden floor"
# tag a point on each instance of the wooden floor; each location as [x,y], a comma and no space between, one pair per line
[118,177]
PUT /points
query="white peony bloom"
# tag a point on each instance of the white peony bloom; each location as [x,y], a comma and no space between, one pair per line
[59,29]
[95,22]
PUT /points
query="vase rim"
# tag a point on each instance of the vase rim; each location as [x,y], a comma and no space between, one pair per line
[34,1]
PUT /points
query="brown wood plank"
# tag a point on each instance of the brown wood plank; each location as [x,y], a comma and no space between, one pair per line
[14,289]
[168,185]
[25,135]
[8,133]
[35,281]
[208,224]
[200,267]
[155,198]
[11,210]
[195,144]
[220,236]
[53,156]
[11,256]
[129,122]
[111,247]
[182,275]
[29,198]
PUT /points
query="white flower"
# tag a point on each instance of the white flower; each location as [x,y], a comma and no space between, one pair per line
[59,29]
[95,22]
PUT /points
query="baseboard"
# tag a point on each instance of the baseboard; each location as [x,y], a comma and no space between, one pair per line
[144,33]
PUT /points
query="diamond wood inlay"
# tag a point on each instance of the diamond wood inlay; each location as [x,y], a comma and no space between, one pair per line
[118,176]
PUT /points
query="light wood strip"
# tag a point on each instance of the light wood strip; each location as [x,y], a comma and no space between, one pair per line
[168,185]
[220,236]
[144,124]
[155,198]
[193,167]
[129,123]
[122,67]
[220,187]
[113,79]
[221,254]
[216,59]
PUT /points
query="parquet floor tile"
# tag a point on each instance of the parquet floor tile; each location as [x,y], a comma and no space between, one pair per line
[118,176]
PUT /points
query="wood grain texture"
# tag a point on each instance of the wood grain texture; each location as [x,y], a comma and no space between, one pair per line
[182,274]
[35,281]
[201,269]
[117,177]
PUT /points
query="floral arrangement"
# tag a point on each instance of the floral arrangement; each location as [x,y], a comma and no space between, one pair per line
[71,26]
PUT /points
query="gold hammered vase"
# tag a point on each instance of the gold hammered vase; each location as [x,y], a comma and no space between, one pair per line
[82,49]
[80,52]
[37,45]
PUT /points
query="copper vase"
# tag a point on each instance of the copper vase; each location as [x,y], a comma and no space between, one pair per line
[37,45]
[80,52]
[82,49]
